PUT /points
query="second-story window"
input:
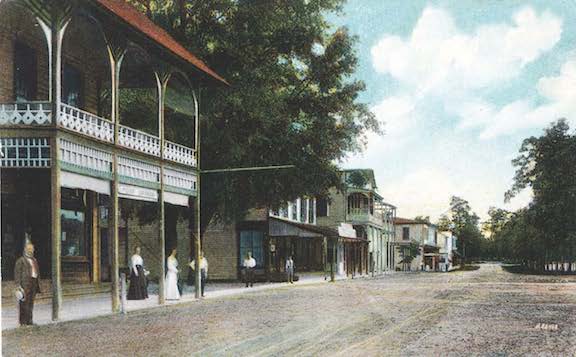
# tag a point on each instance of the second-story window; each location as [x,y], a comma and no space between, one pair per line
[72,86]
[321,207]
[311,211]
[405,233]
[294,210]
[303,209]
[25,80]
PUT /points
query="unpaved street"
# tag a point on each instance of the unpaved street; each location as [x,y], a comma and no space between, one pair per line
[484,312]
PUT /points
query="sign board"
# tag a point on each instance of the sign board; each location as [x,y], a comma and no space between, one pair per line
[346,230]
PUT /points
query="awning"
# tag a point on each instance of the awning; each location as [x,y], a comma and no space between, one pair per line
[176,199]
[278,227]
[137,193]
[72,180]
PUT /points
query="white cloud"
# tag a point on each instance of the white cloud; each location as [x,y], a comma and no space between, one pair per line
[559,94]
[452,66]
[439,56]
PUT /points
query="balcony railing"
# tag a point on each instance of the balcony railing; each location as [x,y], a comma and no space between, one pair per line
[88,124]
[85,123]
[139,140]
[30,113]
[364,214]
[179,153]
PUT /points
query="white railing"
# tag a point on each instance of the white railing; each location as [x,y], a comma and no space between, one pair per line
[29,113]
[139,140]
[85,123]
[179,153]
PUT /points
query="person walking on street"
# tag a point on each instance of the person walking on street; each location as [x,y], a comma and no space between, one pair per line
[26,277]
[249,264]
[203,271]
[289,268]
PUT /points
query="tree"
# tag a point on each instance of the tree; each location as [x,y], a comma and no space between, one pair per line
[464,223]
[547,165]
[291,101]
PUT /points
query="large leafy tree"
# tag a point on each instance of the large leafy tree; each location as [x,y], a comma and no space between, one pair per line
[547,165]
[292,98]
[464,223]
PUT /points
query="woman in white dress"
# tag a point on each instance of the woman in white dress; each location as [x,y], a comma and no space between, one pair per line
[171,290]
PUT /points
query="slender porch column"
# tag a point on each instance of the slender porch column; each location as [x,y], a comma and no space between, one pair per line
[162,77]
[116,50]
[198,240]
[58,25]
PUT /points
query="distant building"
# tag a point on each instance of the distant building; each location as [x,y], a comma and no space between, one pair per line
[412,233]
[273,235]
[448,251]
[360,205]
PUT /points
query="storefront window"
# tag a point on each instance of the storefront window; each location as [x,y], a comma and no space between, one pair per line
[73,233]
[252,241]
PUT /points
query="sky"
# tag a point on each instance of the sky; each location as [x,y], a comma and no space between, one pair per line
[459,84]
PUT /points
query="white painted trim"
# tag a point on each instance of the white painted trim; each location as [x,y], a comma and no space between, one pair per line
[176,199]
[137,193]
[72,180]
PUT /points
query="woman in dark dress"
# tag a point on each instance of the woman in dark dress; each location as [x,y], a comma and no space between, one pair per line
[138,289]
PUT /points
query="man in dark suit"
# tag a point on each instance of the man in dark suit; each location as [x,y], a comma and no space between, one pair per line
[26,277]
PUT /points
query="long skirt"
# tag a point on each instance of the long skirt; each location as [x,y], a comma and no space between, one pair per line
[138,289]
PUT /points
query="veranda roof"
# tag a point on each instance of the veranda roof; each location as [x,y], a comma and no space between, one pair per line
[141,23]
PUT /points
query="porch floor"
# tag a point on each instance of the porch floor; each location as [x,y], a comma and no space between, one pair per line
[77,308]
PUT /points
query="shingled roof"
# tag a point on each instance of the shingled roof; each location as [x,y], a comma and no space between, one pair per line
[141,23]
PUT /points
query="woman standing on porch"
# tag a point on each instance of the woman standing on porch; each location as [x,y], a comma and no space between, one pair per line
[172,292]
[138,285]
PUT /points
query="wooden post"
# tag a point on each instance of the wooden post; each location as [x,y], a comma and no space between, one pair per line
[324,255]
[333,261]
[162,78]
[95,239]
[116,50]
[59,22]
[197,241]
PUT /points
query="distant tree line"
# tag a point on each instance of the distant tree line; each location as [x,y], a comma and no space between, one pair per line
[541,236]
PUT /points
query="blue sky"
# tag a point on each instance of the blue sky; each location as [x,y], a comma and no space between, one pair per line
[459,85]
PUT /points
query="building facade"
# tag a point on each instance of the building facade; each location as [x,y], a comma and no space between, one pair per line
[416,245]
[271,236]
[91,164]
[360,206]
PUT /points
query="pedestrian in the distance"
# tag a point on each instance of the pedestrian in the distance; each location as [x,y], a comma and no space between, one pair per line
[289,268]
[249,264]
[26,277]
[203,271]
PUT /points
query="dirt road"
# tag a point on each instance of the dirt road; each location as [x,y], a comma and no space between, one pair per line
[484,312]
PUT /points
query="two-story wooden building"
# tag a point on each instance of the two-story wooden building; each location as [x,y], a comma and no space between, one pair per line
[98,115]
[360,206]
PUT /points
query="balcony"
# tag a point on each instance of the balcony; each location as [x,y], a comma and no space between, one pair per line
[90,125]
[363,215]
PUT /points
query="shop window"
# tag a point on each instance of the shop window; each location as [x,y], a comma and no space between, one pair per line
[25,75]
[73,233]
[252,241]
[72,87]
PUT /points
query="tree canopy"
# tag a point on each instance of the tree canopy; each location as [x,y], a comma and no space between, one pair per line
[292,98]
[545,230]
